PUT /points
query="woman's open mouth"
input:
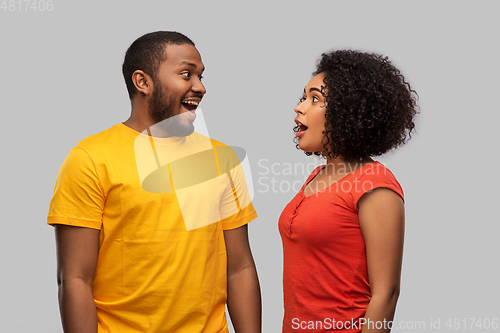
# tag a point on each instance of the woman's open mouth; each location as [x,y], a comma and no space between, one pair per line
[302,130]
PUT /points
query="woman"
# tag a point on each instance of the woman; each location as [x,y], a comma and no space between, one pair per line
[343,232]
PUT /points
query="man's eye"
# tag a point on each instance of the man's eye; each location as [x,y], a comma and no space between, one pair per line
[200,77]
[186,74]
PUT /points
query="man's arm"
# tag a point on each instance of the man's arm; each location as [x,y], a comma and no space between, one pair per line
[77,251]
[381,218]
[243,290]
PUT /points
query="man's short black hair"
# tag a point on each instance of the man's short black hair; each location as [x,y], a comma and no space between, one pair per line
[147,52]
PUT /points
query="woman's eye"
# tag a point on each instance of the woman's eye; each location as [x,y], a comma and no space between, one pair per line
[315,99]
[303,98]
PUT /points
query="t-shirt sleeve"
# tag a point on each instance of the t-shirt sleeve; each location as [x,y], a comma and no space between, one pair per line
[376,177]
[78,199]
[236,206]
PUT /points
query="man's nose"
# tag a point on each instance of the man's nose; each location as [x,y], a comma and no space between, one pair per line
[199,87]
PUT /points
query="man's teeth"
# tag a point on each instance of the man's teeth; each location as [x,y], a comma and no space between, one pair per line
[191,103]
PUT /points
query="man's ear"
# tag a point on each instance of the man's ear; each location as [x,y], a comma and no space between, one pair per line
[142,82]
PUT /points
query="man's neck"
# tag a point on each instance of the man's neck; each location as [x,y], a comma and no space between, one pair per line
[141,121]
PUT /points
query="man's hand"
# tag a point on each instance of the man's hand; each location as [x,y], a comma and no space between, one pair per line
[77,251]
[243,290]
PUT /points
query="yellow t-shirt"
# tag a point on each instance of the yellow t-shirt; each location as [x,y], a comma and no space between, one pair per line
[161,205]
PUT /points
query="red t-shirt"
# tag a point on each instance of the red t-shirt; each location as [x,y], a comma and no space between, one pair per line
[325,275]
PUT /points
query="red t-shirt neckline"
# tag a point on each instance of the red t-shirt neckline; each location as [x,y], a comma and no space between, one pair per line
[321,167]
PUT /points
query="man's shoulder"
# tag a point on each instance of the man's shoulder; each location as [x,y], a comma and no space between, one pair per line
[100,139]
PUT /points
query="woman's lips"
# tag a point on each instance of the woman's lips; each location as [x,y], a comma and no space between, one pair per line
[302,130]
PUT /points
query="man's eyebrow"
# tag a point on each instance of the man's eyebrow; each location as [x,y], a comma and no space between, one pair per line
[190,64]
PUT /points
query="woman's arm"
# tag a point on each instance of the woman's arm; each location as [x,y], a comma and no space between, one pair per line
[381,218]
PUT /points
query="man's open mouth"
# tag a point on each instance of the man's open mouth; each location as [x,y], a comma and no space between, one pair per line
[190,105]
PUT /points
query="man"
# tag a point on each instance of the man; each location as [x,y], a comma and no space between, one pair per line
[147,239]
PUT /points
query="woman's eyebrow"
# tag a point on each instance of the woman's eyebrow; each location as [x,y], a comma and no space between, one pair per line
[314,89]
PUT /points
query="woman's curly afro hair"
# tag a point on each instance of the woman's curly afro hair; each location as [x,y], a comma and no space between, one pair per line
[370,106]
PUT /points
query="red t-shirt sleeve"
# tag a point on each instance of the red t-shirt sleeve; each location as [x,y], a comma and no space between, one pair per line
[377,176]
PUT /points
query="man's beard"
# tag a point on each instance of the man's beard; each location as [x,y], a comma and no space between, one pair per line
[162,109]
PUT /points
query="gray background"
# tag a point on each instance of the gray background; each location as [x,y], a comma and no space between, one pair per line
[61,81]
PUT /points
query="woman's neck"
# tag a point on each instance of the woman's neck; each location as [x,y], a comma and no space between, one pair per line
[339,166]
